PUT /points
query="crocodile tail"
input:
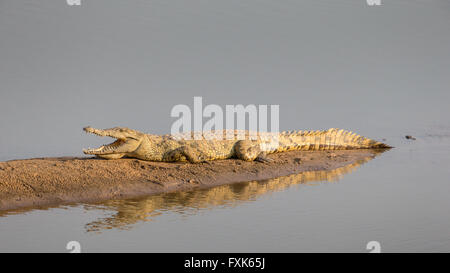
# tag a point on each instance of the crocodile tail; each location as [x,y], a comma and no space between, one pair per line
[332,139]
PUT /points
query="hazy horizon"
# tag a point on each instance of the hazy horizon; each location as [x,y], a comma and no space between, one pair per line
[380,71]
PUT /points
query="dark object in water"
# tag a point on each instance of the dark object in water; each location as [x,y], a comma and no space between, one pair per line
[410,137]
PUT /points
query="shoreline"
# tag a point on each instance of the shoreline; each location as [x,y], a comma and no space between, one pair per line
[38,182]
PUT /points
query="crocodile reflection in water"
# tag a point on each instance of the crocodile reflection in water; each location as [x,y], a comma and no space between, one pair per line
[131,211]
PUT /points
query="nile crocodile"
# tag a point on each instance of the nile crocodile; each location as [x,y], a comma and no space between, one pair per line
[213,145]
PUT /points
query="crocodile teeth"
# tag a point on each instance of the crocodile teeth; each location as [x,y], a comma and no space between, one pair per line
[106,148]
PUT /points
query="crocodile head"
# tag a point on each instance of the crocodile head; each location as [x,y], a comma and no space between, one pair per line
[127,141]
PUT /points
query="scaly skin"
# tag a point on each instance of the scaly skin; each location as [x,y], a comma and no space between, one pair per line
[224,144]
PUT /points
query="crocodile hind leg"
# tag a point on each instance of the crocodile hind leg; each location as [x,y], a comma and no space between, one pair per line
[249,150]
[262,157]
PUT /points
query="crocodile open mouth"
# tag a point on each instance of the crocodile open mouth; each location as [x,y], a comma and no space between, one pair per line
[104,149]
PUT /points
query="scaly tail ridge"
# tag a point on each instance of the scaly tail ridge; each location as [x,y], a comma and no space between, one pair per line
[332,139]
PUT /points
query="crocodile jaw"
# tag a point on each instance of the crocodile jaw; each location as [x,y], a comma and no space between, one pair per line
[105,149]
[126,142]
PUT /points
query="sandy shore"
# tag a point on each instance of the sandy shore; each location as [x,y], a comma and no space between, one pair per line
[51,181]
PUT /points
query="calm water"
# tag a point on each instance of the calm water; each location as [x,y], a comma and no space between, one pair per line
[380,71]
[400,199]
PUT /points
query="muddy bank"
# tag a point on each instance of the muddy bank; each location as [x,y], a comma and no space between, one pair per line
[51,181]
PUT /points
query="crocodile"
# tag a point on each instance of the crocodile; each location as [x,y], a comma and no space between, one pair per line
[196,147]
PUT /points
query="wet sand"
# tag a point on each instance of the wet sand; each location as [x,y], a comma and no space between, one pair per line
[52,181]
